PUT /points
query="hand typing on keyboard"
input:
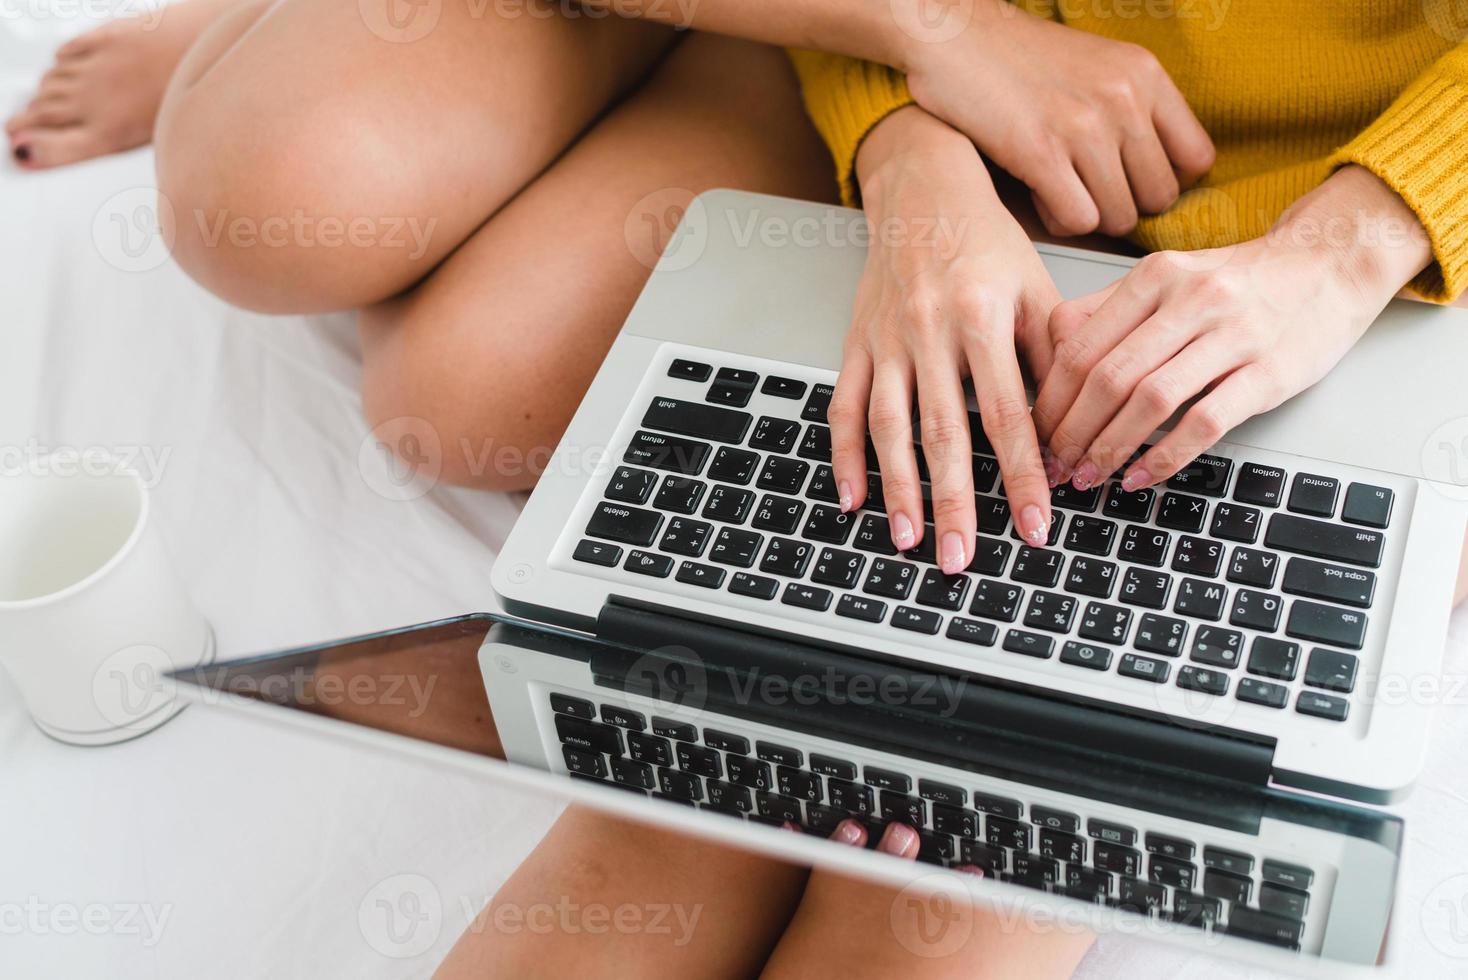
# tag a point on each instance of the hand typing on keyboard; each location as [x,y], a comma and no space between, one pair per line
[1245,326]
[952,288]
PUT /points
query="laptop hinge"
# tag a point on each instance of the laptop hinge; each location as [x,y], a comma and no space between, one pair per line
[666,654]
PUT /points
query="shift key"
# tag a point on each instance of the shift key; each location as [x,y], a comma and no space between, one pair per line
[1320,539]
[629,525]
[697,419]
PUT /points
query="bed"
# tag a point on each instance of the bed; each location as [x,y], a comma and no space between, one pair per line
[216,847]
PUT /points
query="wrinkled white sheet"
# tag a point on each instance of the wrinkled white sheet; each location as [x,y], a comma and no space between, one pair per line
[217,847]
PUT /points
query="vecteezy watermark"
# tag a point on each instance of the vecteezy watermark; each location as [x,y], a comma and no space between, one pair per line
[302,230]
[34,459]
[1445,917]
[674,920]
[318,687]
[932,21]
[37,917]
[933,917]
[149,12]
[406,21]
[401,916]
[938,694]
[1210,12]
[1449,18]
[1445,458]
[134,229]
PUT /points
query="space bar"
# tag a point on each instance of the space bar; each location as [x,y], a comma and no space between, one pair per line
[697,420]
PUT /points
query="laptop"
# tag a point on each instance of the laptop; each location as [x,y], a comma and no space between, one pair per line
[1166,718]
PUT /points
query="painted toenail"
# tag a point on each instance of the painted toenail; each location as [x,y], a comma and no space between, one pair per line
[22,153]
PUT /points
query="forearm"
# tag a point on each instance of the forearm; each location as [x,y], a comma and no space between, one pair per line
[911,142]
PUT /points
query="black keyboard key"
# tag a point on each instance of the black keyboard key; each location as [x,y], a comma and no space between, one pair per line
[730,505]
[1270,657]
[783,387]
[1255,691]
[904,809]
[1181,512]
[798,783]
[822,486]
[780,755]
[1273,929]
[630,773]
[1066,495]
[749,772]
[823,820]
[990,557]
[1086,884]
[686,536]
[849,796]
[1161,634]
[1322,706]
[1057,522]
[816,445]
[1218,647]
[1231,861]
[774,435]
[955,820]
[1033,871]
[826,765]
[778,809]
[725,742]
[1091,576]
[1005,832]
[1133,505]
[629,485]
[729,796]
[699,760]
[575,707]
[597,553]
[647,563]
[623,717]
[1143,668]
[1196,910]
[1144,545]
[972,631]
[583,762]
[942,591]
[1321,540]
[1326,624]
[1334,583]
[695,419]
[704,576]
[677,730]
[1085,655]
[629,525]
[737,376]
[1256,610]
[804,596]
[1140,896]
[588,735]
[782,475]
[1029,644]
[1145,588]
[650,749]
[991,860]
[1037,566]
[916,620]
[1250,567]
[997,600]
[1289,875]
[1125,861]
[667,453]
[679,494]
[841,569]
[680,785]
[1054,819]
[1050,611]
[1205,600]
[890,578]
[1105,623]
[1201,679]
[1236,523]
[1332,670]
[1091,535]
[1061,846]
[736,547]
[689,370]
[827,523]
[1311,494]
[779,514]
[1207,475]
[817,403]
[999,806]
[754,586]
[874,534]
[1170,872]
[787,557]
[953,796]
[1278,900]
[733,465]
[1262,485]
[1112,833]
[1367,505]
[993,515]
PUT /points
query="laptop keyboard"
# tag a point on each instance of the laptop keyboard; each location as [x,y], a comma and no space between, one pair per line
[1237,579]
[732,771]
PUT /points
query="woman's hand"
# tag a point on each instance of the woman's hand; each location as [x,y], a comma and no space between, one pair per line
[952,288]
[1246,326]
[1094,127]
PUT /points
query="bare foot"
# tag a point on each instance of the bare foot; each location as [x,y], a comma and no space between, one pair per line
[102,94]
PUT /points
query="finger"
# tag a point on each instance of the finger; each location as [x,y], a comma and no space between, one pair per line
[943,414]
[1183,136]
[899,839]
[1032,329]
[1157,397]
[1004,411]
[889,417]
[1108,388]
[1101,169]
[850,832]
[1149,172]
[847,415]
[1064,203]
[1242,394]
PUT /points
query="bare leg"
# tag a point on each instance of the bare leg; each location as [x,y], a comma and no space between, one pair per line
[497,346]
[689,908]
[1460,590]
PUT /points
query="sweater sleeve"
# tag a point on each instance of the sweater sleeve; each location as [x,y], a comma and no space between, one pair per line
[1419,147]
[845,98]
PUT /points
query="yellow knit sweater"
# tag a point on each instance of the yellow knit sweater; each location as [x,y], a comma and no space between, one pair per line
[1289,90]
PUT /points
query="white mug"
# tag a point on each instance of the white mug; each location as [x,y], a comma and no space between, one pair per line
[92,614]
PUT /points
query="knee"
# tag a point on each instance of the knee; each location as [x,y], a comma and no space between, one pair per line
[270,209]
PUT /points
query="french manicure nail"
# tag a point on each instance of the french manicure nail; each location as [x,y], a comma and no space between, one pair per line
[1052,468]
[849,832]
[897,839]
[1135,480]
[954,558]
[970,869]
[901,531]
[845,491]
[1032,525]
[1085,476]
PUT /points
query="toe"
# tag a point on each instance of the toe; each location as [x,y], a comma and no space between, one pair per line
[43,115]
[39,149]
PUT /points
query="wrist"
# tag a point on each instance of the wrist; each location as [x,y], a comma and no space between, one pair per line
[909,140]
[919,30]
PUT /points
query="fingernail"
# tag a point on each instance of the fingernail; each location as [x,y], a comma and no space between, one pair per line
[846,497]
[1085,476]
[787,825]
[970,869]
[1135,480]
[897,838]
[1032,526]
[953,556]
[848,832]
[22,153]
[901,531]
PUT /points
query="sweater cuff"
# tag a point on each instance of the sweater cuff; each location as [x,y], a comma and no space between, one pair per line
[845,98]
[1419,148]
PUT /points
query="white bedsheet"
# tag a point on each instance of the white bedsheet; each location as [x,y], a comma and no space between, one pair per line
[217,847]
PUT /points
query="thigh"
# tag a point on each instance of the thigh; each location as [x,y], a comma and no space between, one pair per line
[496,347]
[329,153]
[601,897]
